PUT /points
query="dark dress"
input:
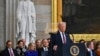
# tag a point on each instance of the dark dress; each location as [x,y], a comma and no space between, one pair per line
[31,53]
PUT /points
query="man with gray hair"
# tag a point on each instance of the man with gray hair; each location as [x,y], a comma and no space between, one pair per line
[59,40]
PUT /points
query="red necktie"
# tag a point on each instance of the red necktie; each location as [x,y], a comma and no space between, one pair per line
[64,38]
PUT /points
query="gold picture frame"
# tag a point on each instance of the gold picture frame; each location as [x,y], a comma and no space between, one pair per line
[56,17]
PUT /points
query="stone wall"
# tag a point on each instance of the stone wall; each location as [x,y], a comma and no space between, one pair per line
[43,12]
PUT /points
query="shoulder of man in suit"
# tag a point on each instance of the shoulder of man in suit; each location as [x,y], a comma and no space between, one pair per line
[53,33]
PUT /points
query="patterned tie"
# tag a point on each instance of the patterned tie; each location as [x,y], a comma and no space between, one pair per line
[64,38]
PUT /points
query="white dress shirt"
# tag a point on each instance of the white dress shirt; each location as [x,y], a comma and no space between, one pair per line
[89,50]
[62,36]
[45,48]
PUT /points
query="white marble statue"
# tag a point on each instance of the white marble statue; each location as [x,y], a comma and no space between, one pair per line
[26,21]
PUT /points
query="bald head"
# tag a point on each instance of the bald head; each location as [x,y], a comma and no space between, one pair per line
[62,26]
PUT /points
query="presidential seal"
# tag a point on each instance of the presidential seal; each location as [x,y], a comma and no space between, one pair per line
[74,50]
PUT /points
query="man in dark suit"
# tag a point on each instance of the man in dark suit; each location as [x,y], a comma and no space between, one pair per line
[90,49]
[44,49]
[9,51]
[59,41]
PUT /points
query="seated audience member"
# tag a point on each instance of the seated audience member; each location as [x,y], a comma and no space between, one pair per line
[31,50]
[24,42]
[90,49]
[38,43]
[94,42]
[9,51]
[20,48]
[38,46]
[98,49]
[44,49]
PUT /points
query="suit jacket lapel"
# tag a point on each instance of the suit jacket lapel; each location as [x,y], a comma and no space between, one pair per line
[7,52]
[42,49]
[59,35]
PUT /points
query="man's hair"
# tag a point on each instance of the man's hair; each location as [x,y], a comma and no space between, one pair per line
[48,38]
[92,39]
[81,40]
[8,41]
[19,42]
[43,40]
[61,23]
[37,40]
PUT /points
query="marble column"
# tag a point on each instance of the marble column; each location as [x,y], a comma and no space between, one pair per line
[2,18]
[10,25]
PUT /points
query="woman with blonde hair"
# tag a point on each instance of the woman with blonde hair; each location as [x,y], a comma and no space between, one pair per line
[31,50]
